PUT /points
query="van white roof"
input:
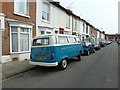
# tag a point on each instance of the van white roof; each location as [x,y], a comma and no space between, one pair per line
[47,35]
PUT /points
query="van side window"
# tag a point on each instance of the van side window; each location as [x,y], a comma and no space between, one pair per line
[41,41]
[77,39]
[71,40]
[62,40]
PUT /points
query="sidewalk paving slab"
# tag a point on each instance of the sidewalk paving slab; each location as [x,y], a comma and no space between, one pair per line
[13,68]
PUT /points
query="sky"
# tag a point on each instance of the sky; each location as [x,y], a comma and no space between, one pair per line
[102,14]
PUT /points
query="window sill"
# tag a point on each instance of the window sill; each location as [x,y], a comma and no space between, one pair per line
[68,27]
[19,52]
[45,21]
[21,15]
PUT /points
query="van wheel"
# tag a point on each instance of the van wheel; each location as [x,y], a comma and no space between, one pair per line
[63,64]
[79,58]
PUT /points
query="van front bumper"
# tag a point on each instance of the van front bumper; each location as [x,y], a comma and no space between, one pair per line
[44,64]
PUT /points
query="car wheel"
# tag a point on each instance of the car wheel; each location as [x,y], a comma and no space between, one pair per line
[88,53]
[93,50]
[79,58]
[63,64]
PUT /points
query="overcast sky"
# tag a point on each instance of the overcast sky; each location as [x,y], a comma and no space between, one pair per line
[103,14]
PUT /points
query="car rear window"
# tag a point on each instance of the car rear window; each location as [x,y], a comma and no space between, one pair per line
[40,41]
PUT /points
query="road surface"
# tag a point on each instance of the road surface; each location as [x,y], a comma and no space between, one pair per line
[99,70]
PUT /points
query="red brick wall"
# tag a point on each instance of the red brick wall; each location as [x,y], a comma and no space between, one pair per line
[8,10]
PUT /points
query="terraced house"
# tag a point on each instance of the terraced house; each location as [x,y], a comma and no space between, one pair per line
[85,30]
[93,34]
[20,20]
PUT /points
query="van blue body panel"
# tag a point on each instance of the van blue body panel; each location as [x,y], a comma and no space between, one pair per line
[60,52]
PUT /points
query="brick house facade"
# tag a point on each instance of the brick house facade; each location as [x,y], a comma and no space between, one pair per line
[113,37]
[19,29]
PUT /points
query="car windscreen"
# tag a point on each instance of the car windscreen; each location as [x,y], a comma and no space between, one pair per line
[40,41]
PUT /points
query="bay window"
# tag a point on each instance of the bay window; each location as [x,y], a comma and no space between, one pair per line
[24,39]
[20,39]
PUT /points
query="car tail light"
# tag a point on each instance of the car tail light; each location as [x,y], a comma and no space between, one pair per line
[52,57]
[96,45]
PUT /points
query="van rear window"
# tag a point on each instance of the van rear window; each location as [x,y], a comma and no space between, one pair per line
[40,41]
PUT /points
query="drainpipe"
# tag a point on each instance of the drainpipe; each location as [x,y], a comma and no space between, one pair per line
[0,46]
[1,28]
[72,25]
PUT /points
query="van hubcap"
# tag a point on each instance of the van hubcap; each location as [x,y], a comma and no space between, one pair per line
[64,63]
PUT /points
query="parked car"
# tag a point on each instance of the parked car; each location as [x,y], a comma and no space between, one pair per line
[96,46]
[118,41]
[88,48]
[108,42]
[102,44]
[55,50]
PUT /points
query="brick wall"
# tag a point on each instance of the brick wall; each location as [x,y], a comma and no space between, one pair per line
[8,10]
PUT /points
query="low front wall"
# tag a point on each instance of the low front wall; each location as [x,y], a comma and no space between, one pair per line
[15,57]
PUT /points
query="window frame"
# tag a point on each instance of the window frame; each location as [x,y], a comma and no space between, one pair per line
[47,38]
[16,12]
[70,40]
[63,39]
[46,12]
[86,29]
[67,21]
[83,28]
[18,39]
[74,24]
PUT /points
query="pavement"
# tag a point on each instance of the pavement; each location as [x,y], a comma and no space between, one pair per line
[14,68]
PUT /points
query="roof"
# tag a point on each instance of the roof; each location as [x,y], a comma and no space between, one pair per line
[68,11]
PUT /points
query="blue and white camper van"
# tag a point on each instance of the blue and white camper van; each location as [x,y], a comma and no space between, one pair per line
[55,50]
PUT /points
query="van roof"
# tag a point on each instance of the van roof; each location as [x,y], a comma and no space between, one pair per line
[53,35]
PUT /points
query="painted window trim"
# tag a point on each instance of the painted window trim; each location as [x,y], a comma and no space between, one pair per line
[30,38]
[23,15]
[67,15]
[46,21]
[27,16]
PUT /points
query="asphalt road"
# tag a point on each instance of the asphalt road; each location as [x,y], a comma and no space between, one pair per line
[99,70]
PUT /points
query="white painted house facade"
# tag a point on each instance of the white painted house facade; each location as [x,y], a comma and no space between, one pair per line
[52,18]
[85,30]
[44,14]
[2,27]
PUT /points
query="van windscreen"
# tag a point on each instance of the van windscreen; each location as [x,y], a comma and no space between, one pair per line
[40,41]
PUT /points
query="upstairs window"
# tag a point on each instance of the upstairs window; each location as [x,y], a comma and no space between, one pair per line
[74,24]
[68,21]
[21,7]
[83,27]
[87,29]
[45,11]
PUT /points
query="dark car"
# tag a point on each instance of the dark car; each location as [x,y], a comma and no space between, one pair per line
[102,44]
[96,45]
[118,41]
[88,48]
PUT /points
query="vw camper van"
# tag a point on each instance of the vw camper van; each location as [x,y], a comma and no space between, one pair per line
[55,50]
